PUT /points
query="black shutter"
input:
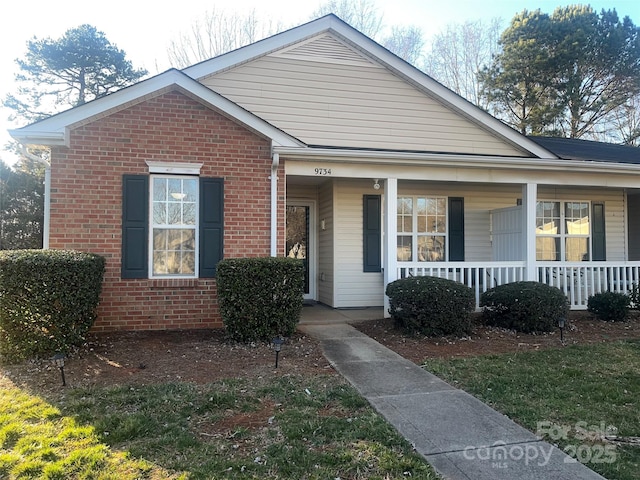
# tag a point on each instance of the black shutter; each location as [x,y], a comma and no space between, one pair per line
[598,237]
[211,225]
[456,229]
[372,259]
[135,226]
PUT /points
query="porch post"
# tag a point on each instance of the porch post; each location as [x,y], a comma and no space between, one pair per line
[390,236]
[529,199]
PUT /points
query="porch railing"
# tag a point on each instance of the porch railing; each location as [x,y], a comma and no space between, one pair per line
[578,281]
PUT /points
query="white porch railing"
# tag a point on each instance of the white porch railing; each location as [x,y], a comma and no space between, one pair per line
[581,280]
[577,280]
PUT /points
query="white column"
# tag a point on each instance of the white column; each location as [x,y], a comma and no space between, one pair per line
[529,199]
[390,236]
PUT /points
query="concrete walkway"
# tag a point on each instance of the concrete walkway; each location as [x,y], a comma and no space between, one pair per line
[461,437]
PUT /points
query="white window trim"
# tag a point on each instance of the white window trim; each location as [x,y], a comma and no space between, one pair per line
[174,168]
[196,271]
[415,234]
[563,235]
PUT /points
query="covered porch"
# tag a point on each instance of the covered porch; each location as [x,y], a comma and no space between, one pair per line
[569,225]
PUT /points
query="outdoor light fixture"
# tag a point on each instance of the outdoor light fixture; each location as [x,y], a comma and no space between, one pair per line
[561,324]
[376,184]
[58,361]
[277,346]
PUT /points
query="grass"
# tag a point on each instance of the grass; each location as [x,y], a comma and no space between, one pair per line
[277,428]
[573,396]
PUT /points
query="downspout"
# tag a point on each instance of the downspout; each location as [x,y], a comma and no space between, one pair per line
[47,194]
[274,204]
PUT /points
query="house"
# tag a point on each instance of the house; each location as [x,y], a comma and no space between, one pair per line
[319,144]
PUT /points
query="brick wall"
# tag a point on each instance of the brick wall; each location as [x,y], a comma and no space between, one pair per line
[86,202]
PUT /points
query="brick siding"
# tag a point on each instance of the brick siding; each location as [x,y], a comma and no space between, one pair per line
[86,202]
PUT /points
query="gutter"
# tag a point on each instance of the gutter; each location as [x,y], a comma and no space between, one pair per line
[47,194]
[274,204]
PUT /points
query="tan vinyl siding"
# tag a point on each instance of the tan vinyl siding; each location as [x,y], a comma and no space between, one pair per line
[326,244]
[353,287]
[336,100]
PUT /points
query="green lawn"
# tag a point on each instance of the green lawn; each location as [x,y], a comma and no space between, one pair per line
[573,395]
[286,427]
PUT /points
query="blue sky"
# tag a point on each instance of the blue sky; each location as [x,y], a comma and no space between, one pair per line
[144,28]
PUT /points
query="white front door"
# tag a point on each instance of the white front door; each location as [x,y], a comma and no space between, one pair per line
[300,241]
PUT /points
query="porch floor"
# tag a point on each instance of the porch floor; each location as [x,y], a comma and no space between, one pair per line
[320,314]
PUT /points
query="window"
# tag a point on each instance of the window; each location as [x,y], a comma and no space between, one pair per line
[422,229]
[563,231]
[174,229]
[172,226]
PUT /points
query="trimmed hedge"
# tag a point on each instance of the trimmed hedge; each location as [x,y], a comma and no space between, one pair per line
[524,306]
[609,306]
[48,301]
[431,306]
[260,298]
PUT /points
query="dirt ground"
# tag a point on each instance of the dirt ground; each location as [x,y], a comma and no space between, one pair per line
[206,356]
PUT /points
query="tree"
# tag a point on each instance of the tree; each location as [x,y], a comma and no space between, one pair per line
[519,84]
[459,52]
[360,14]
[78,67]
[406,42]
[564,74]
[216,33]
[21,205]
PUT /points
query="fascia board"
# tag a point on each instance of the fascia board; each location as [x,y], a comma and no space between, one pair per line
[453,160]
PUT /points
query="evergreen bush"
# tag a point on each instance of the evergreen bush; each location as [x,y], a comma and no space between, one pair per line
[609,306]
[526,306]
[260,298]
[431,306]
[48,301]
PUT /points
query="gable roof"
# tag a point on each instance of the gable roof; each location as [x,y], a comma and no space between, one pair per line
[54,130]
[290,42]
[577,149]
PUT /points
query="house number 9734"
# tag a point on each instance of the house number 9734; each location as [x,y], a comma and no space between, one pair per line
[322,171]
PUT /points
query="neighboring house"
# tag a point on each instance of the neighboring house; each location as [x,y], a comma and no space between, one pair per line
[319,144]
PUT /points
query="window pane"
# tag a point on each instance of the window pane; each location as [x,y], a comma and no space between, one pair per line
[174,214]
[577,249]
[421,206]
[404,248]
[431,248]
[189,214]
[160,263]
[159,189]
[548,249]
[159,213]
[159,239]
[577,218]
[190,189]
[422,224]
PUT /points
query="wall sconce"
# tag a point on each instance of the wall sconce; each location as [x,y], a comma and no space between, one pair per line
[376,184]
[323,225]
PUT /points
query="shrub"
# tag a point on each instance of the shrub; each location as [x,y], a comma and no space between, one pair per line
[609,306]
[48,301]
[260,298]
[431,306]
[524,306]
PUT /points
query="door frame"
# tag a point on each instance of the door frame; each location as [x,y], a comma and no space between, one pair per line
[312,247]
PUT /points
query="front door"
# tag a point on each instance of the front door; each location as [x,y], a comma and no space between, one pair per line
[299,242]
